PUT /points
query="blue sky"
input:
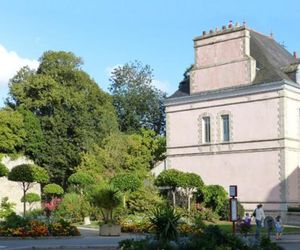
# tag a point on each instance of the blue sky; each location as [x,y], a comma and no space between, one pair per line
[110,33]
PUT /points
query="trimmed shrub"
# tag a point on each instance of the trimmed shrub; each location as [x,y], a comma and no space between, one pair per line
[53,190]
[215,197]
[30,198]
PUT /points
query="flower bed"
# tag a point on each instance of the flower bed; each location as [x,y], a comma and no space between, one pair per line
[35,228]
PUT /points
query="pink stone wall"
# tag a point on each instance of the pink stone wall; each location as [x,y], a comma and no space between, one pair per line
[255,173]
[253,160]
[251,121]
[222,61]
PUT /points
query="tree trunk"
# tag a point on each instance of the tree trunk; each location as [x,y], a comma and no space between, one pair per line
[189,203]
[24,203]
[174,198]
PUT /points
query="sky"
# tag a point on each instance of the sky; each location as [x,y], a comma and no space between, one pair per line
[106,34]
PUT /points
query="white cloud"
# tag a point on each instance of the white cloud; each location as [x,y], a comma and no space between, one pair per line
[10,63]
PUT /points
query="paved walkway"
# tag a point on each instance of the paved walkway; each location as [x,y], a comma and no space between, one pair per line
[90,239]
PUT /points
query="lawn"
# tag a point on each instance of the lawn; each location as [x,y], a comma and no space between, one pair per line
[224,225]
[227,226]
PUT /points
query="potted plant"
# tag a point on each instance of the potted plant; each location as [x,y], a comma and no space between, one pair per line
[107,199]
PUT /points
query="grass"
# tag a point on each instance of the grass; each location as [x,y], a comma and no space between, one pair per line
[224,225]
[227,227]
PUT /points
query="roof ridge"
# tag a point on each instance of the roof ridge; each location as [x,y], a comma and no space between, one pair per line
[262,34]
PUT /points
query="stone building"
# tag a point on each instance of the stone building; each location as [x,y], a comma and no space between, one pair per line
[236,119]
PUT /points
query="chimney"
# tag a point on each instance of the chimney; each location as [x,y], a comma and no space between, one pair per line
[222,59]
[295,55]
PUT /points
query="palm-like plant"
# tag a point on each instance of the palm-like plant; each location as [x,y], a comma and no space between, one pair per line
[107,199]
[165,221]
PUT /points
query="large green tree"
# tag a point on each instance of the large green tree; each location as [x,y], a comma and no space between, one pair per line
[138,103]
[74,113]
[12,131]
[122,152]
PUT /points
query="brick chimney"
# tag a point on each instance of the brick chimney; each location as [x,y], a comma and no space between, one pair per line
[222,59]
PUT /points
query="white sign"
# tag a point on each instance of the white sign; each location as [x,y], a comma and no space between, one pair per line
[233,209]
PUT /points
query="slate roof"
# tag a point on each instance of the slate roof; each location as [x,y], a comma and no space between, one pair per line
[273,63]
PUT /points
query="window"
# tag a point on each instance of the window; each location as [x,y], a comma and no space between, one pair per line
[206,129]
[225,127]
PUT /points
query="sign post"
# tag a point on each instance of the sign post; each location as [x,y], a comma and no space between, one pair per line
[233,206]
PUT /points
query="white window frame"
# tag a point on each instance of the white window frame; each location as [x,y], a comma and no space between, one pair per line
[206,129]
[225,127]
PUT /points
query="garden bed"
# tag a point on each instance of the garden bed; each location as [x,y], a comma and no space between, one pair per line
[17,226]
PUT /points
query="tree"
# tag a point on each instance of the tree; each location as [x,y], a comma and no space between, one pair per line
[27,175]
[34,140]
[190,183]
[119,152]
[73,112]
[3,170]
[80,180]
[126,182]
[12,132]
[53,190]
[171,179]
[138,103]
[31,198]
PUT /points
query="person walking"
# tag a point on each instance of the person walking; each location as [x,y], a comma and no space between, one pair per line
[259,219]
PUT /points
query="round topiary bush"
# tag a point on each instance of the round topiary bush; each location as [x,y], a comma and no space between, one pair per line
[30,198]
[53,190]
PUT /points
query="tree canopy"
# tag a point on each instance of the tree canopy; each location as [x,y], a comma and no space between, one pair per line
[170,178]
[12,131]
[53,189]
[30,198]
[122,152]
[138,103]
[73,112]
[28,174]
[126,182]
[81,179]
